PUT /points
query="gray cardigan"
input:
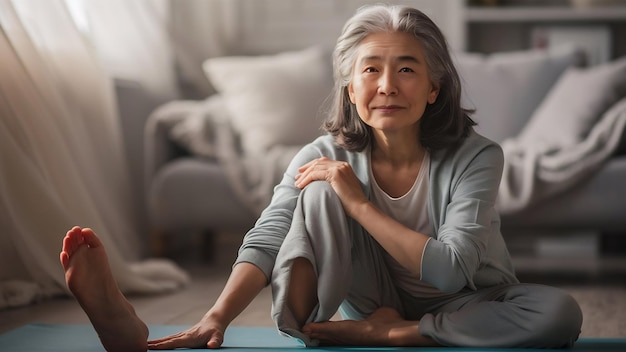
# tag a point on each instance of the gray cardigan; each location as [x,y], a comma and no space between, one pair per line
[467,249]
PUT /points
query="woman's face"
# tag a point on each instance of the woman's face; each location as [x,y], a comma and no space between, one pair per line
[390,85]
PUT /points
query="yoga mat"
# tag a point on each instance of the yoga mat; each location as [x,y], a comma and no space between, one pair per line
[83,338]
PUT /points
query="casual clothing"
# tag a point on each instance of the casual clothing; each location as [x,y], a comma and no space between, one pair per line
[411,210]
[466,259]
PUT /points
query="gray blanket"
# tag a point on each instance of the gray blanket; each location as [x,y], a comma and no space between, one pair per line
[534,172]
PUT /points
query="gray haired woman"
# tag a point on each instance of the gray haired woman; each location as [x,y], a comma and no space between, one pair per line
[388,219]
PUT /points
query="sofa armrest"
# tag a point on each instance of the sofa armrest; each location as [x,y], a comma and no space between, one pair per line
[159,148]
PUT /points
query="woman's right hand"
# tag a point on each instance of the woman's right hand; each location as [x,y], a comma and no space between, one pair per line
[207,333]
[245,282]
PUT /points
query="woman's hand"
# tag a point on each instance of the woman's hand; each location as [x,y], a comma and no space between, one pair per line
[245,282]
[208,333]
[339,175]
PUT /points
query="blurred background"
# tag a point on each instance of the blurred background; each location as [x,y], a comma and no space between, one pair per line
[106,118]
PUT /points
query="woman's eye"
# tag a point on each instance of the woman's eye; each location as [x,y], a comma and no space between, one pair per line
[406,69]
[370,69]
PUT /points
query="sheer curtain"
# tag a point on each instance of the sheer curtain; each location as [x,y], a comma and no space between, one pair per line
[61,157]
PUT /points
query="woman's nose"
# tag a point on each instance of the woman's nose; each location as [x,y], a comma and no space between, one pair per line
[387,84]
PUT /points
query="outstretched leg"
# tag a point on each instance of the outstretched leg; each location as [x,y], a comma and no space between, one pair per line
[89,277]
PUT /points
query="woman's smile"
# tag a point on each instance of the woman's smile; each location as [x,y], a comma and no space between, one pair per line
[388,109]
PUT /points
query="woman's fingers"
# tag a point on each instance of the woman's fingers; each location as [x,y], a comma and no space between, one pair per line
[321,169]
[188,339]
[303,179]
[313,162]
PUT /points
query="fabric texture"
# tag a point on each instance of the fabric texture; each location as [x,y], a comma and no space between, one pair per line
[197,125]
[62,161]
[570,136]
[352,276]
[574,105]
[205,129]
[275,99]
[474,249]
[505,88]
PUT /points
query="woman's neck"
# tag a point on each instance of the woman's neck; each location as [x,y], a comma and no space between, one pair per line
[397,152]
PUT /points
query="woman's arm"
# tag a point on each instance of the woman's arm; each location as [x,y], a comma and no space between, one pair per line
[402,243]
[449,261]
[243,285]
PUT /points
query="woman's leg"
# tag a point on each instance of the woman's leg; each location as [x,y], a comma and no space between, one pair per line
[313,267]
[327,260]
[517,315]
[89,277]
[302,294]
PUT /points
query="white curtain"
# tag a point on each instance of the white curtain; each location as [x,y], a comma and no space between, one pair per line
[160,43]
[61,157]
[132,40]
[201,29]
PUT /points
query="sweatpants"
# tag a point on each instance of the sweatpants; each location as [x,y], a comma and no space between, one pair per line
[353,278]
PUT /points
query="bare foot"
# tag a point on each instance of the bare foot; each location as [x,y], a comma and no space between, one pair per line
[89,277]
[385,327]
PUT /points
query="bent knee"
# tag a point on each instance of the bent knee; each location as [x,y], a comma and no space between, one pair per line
[318,193]
[562,321]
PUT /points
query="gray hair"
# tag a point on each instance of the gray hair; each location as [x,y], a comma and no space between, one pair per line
[445,123]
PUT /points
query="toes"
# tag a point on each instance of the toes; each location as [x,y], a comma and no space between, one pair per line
[65,260]
[72,240]
[90,238]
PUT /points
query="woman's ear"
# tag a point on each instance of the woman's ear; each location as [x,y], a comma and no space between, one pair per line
[434,93]
[351,93]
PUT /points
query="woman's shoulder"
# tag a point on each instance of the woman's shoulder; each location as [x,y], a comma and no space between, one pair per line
[474,147]
[325,145]
[474,140]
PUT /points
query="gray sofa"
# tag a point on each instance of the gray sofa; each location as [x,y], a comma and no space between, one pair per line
[188,193]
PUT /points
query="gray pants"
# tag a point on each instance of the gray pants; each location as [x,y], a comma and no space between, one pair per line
[353,278]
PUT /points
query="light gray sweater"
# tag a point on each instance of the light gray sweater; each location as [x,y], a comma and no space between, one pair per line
[467,249]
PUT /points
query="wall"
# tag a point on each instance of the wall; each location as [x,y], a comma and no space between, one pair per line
[269,26]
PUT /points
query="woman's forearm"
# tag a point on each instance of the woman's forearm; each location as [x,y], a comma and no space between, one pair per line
[402,243]
[244,284]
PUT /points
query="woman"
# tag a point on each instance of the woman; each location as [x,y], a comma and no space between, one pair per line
[389,218]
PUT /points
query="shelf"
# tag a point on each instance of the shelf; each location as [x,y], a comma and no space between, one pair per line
[539,14]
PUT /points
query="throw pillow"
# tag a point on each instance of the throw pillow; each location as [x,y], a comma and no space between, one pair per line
[575,104]
[273,99]
[505,88]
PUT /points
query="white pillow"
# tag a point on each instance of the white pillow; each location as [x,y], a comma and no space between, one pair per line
[505,88]
[273,100]
[575,104]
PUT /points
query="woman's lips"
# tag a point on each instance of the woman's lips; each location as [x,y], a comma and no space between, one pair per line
[388,108]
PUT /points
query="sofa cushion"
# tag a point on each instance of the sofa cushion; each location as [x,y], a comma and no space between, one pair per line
[575,104]
[596,204]
[273,99]
[505,88]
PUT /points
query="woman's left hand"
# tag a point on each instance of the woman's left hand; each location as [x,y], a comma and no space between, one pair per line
[339,175]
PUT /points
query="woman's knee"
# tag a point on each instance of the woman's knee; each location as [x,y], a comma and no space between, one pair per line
[320,195]
[325,221]
[562,318]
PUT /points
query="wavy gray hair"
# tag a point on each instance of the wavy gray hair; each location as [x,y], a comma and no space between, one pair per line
[445,123]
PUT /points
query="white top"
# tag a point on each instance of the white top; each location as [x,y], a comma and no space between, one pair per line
[411,210]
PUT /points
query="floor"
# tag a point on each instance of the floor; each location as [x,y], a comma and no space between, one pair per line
[599,287]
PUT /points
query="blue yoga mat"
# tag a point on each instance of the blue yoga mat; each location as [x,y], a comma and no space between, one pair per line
[83,338]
